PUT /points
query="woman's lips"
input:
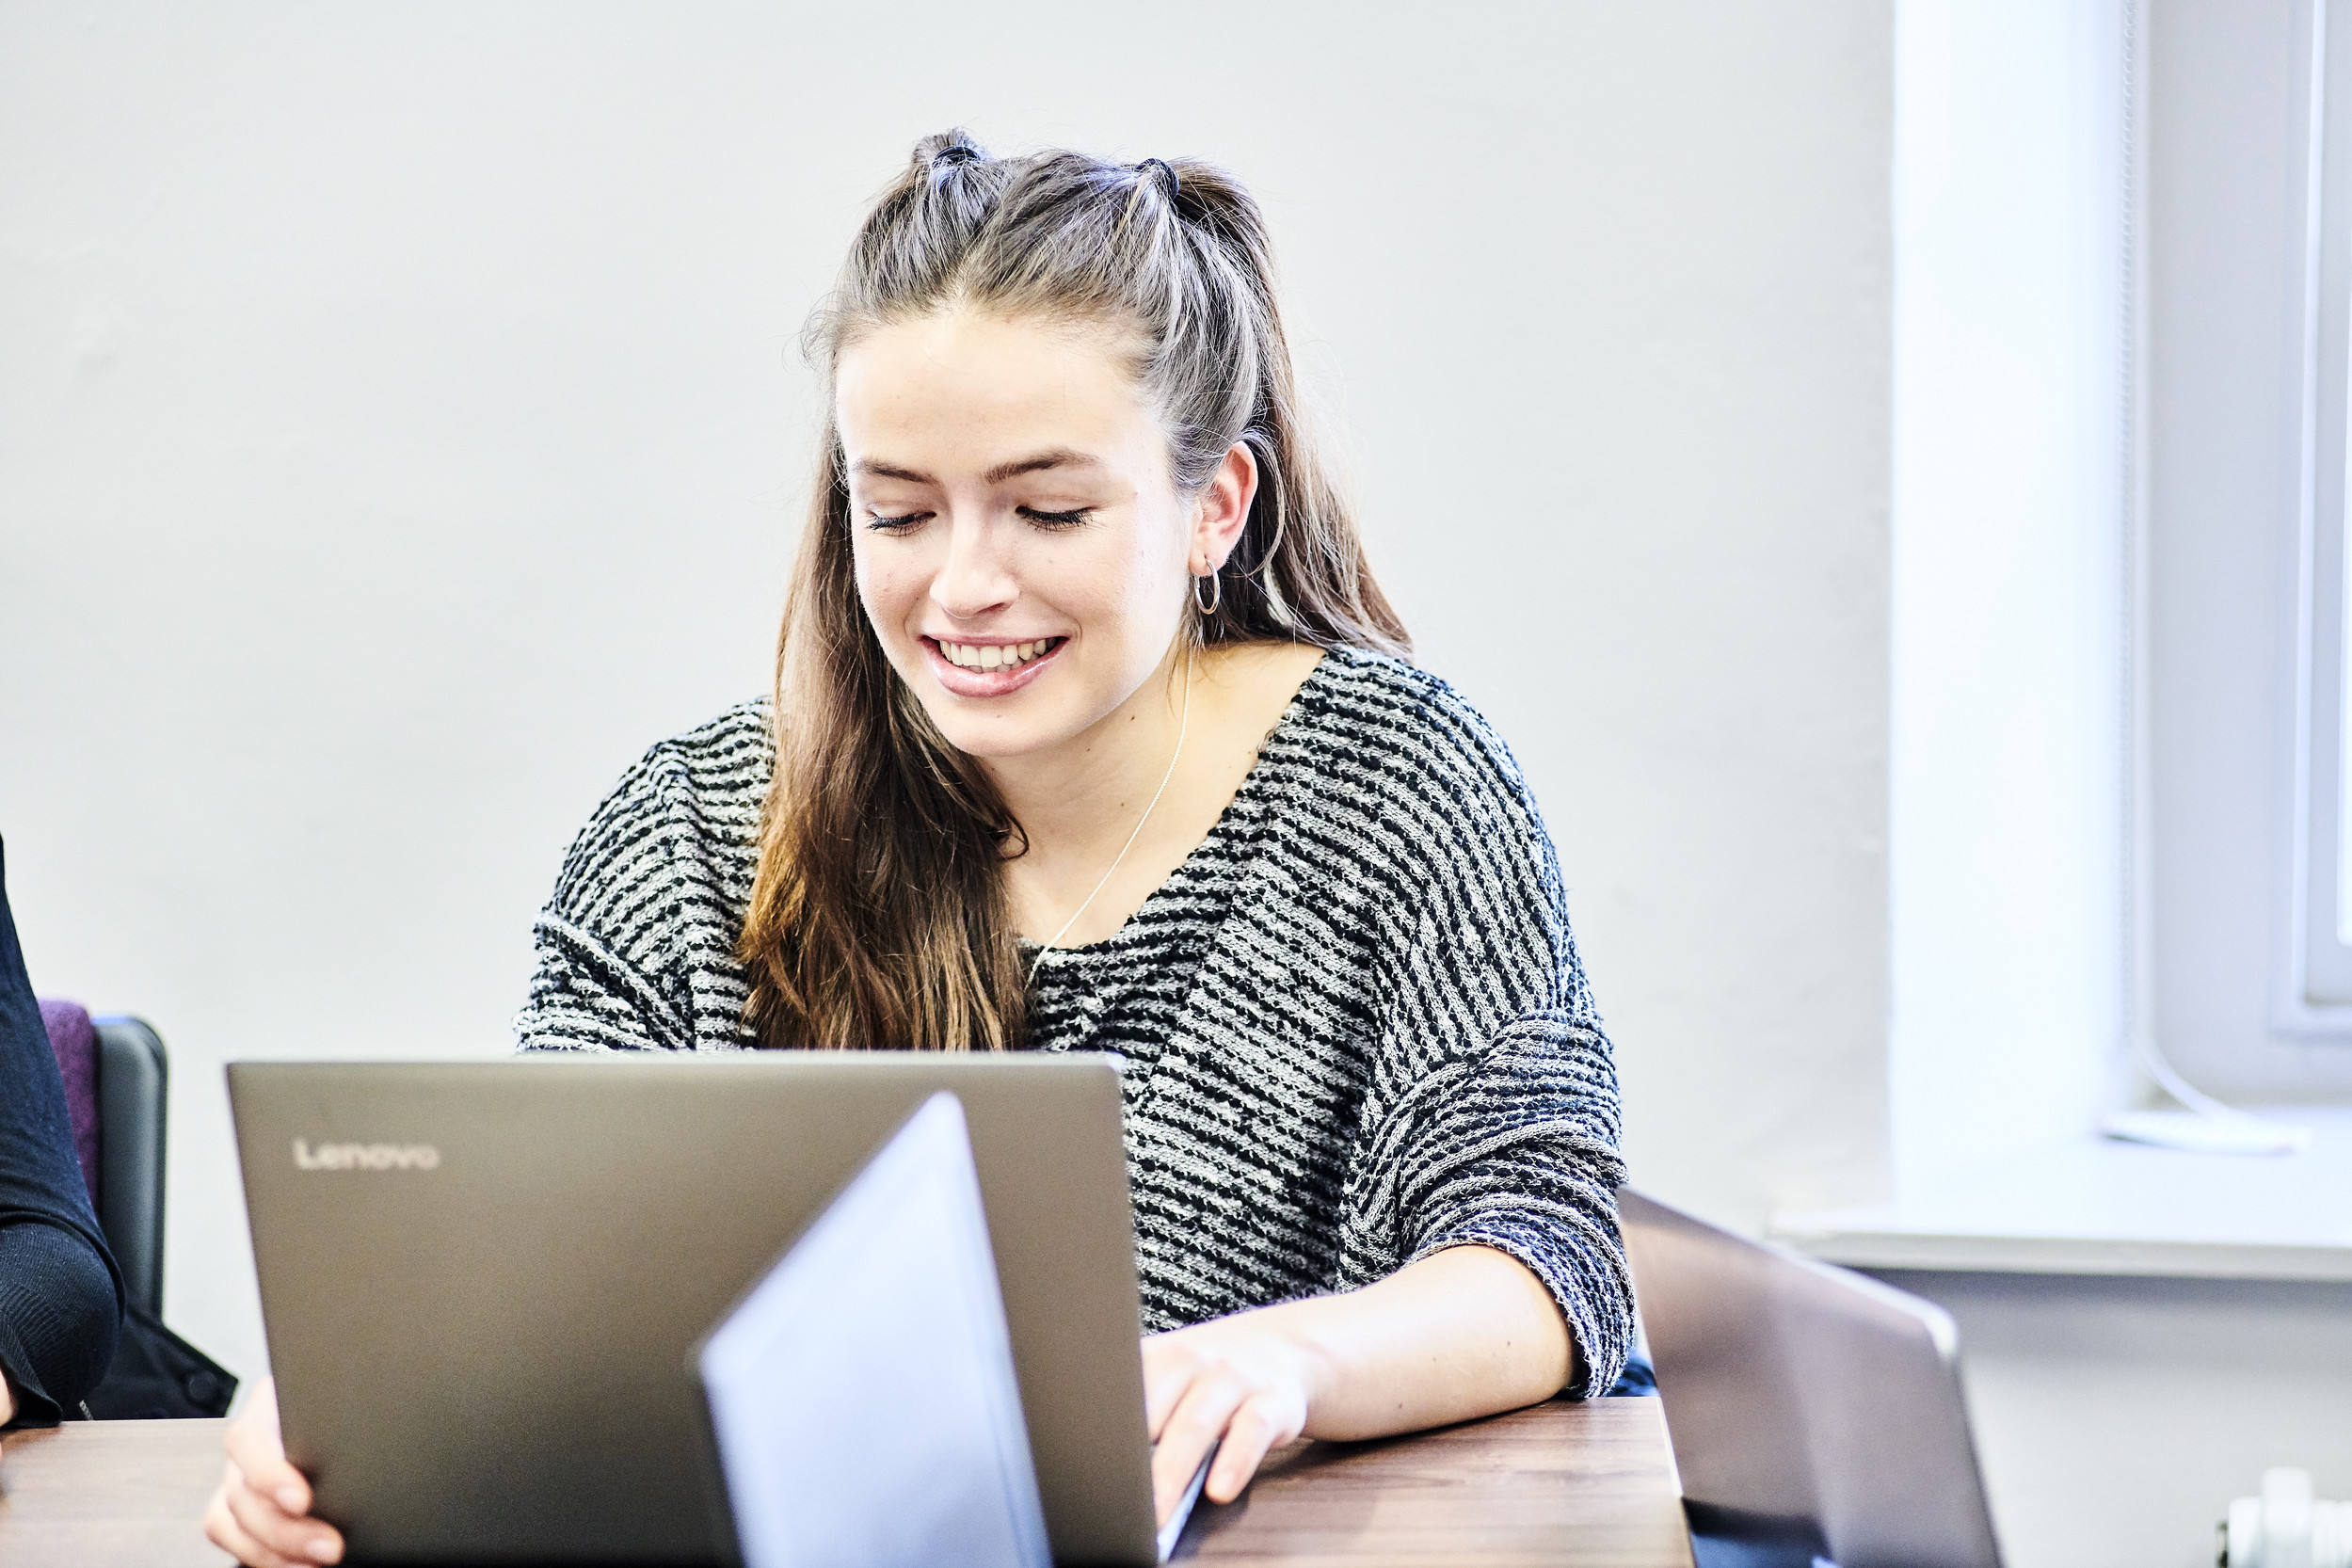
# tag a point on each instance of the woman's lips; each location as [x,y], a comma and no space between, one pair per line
[963,680]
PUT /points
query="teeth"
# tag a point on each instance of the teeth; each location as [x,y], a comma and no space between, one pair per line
[990,656]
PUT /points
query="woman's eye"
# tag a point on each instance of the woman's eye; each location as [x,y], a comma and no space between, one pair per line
[1056,519]
[881,523]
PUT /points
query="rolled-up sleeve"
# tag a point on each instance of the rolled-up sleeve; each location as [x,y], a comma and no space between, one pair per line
[1493,1118]
[1517,1149]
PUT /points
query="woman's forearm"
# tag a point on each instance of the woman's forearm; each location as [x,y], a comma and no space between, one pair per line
[1463,1332]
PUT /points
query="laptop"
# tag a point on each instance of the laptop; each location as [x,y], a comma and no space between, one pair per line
[481,1283]
[1817,1415]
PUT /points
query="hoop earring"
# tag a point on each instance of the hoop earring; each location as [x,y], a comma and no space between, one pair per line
[1216,580]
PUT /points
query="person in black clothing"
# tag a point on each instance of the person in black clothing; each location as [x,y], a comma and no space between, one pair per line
[61,1293]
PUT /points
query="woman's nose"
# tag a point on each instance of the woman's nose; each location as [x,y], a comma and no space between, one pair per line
[975,578]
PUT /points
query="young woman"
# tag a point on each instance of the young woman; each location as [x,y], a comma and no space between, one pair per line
[1092,731]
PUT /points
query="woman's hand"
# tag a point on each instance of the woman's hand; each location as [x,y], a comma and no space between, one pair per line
[1463,1333]
[261,1514]
[1243,1381]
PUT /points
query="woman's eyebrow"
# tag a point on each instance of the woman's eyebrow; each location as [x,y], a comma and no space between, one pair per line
[890,471]
[1058,458]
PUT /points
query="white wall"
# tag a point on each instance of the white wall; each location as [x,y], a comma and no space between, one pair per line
[399,430]
[2010,423]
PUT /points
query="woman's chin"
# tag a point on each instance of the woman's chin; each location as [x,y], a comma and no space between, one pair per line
[997,738]
[1003,725]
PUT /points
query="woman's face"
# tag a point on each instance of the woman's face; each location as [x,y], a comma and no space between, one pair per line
[1020,547]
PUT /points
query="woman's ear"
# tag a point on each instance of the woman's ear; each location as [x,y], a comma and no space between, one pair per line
[1223,510]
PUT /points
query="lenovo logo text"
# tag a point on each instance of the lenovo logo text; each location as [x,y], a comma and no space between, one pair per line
[364,1157]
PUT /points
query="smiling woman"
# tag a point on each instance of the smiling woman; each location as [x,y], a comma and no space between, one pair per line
[1092,731]
[1060,385]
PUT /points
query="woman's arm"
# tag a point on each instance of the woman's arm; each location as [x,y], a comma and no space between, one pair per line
[1463,1332]
[61,1301]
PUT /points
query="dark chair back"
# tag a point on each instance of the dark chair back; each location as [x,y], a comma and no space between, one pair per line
[133,1076]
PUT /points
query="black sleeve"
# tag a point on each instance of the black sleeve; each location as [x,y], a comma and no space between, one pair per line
[60,1295]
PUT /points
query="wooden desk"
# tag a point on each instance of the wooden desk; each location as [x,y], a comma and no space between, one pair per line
[1558,1484]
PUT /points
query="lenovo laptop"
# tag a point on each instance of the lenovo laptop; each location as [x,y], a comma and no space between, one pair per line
[481,1283]
[1817,1415]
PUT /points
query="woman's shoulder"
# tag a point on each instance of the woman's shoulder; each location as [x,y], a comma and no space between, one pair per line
[703,787]
[718,770]
[732,754]
[1401,803]
[1376,720]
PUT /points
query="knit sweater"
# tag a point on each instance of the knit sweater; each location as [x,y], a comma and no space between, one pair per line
[1355,1026]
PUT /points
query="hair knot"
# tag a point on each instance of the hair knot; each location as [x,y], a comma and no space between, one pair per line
[1171,184]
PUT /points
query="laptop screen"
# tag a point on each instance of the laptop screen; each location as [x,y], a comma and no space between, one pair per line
[863,1393]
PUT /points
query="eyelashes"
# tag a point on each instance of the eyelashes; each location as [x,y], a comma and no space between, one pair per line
[1052,522]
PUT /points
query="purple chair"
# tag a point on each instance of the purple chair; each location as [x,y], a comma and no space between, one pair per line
[115,1075]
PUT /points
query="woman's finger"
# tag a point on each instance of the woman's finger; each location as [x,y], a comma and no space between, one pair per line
[1169,1367]
[256,1448]
[222,1529]
[1191,1429]
[1250,1436]
[291,1536]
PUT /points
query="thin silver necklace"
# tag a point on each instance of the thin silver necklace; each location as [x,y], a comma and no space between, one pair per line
[1183,722]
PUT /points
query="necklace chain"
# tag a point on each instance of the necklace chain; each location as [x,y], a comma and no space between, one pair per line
[1183,722]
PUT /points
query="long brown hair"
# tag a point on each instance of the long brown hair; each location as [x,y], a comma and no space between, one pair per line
[879,917]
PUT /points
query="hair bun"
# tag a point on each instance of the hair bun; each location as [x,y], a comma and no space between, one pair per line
[1171,183]
[949,149]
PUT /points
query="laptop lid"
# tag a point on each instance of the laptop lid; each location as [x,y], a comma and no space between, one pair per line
[861,1394]
[1817,1415]
[481,1282]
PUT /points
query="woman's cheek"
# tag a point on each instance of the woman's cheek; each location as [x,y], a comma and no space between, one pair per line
[878,587]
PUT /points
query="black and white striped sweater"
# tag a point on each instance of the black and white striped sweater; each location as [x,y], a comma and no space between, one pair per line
[1355,1025]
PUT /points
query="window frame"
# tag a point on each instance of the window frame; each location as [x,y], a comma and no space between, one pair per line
[2317,999]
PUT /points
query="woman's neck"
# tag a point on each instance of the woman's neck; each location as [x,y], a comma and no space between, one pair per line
[1080,878]
[1078,802]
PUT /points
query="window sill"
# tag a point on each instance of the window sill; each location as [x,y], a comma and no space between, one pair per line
[2099,1207]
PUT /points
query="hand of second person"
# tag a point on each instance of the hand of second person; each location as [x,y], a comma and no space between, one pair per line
[1243,1381]
[261,1514]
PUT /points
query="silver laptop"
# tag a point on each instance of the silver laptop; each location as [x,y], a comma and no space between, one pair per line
[481,1283]
[1816,1414]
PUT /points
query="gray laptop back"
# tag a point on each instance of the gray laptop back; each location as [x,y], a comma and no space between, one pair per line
[482,1282]
[1815,1414]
